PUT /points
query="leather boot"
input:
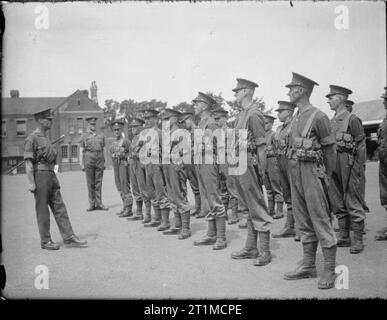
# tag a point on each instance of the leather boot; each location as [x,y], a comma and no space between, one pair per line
[279,214]
[177,228]
[328,277]
[221,242]
[210,238]
[120,212]
[357,245]
[271,206]
[308,267]
[148,217]
[288,230]
[139,208]
[381,235]
[198,204]
[185,230]
[233,218]
[264,257]
[157,218]
[165,225]
[250,251]
[127,212]
[343,239]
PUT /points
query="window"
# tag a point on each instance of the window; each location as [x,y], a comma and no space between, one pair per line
[12,162]
[80,125]
[71,126]
[21,127]
[65,153]
[3,128]
[74,153]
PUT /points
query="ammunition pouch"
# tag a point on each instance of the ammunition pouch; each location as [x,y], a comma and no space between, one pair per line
[270,153]
[345,142]
[306,150]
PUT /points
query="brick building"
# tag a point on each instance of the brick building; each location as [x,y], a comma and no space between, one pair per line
[69,119]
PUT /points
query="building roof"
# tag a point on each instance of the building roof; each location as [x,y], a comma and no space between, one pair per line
[370,112]
[28,105]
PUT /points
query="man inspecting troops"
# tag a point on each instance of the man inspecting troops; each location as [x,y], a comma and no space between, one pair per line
[381,234]
[119,151]
[271,178]
[345,191]
[281,141]
[249,183]
[40,159]
[93,163]
[313,149]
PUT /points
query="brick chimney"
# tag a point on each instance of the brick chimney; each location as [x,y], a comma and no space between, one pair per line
[14,93]
[93,92]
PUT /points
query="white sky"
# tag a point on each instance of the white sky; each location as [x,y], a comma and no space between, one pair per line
[169,51]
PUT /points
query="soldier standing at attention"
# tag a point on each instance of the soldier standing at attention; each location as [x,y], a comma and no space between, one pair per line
[271,178]
[381,234]
[155,184]
[93,163]
[208,176]
[137,171]
[313,149]
[249,184]
[40,158]
[345,191]
[281,140]
[119,151]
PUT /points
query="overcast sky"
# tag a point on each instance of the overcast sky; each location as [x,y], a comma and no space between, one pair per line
[169,51]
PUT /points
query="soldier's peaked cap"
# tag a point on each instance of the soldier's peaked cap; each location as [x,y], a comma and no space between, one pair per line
[168,113]
[205,98]
[220,111]
[269,117]
[301,81]
[44,114]
[92,120]
[149,113]
[244,84]
[285,105]
[186,115]
[338,90]
[136,122]
[118,123]
[349,103]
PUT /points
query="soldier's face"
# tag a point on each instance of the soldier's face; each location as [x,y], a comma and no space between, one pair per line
[188,123]
[92,127]
[268,125]
[335,101]
[117,132]
[222,121]
[295,93]
[239,95]
[283,115]
[46,123]
[199,107]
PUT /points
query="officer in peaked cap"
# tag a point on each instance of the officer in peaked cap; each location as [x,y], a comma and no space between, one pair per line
[381,234]
[136,122]
[150,113]
[40,159]
[285,112]
[119,151]
[334,89]
[169,113]
[349,105]
[205,101]
[244,84]
[312,154]
[271,177]
[93,163]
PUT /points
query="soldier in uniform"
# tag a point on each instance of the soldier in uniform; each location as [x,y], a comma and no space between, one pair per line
[40,158]
[271,178]
[249,184]
[345,191]
[187,121]
[176,186]
[230,195]
[119,151]
[208,175]
[93,163]
[137,171]
[154,176]
[281,141]
[312,148]
[382,148]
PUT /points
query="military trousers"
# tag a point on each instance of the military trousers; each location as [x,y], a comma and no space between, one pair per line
[272,181]
[155,186]
[283,170]
[383,183]
[205,207]
[311,203]
[176,187]
[251,197]
[94,163]
[208,176]
[122,180]
[137,180]
[189,173]
[229,187]
[345,189]
[47,194]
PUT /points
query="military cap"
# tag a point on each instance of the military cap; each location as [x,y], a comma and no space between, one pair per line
[220,111]
[136,122]
[205,98]
[244,84]
[150,113]
[384,95]
[349,103]
[301,81]
[285,105]
[92,120]
[169,113]
[185,115]
[44,114]
[118,123]
[338,90]
[269,117]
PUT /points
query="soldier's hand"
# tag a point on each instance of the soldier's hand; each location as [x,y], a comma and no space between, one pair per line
[32,187]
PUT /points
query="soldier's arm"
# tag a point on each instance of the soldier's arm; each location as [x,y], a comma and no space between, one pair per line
[28,156]
[81,151]
[327,141]
[357,131]
[257,126]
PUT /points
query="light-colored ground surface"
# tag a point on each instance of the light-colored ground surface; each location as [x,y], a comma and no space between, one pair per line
[126,260]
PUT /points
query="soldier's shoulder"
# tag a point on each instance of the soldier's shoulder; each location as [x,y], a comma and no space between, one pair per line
[319,114]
